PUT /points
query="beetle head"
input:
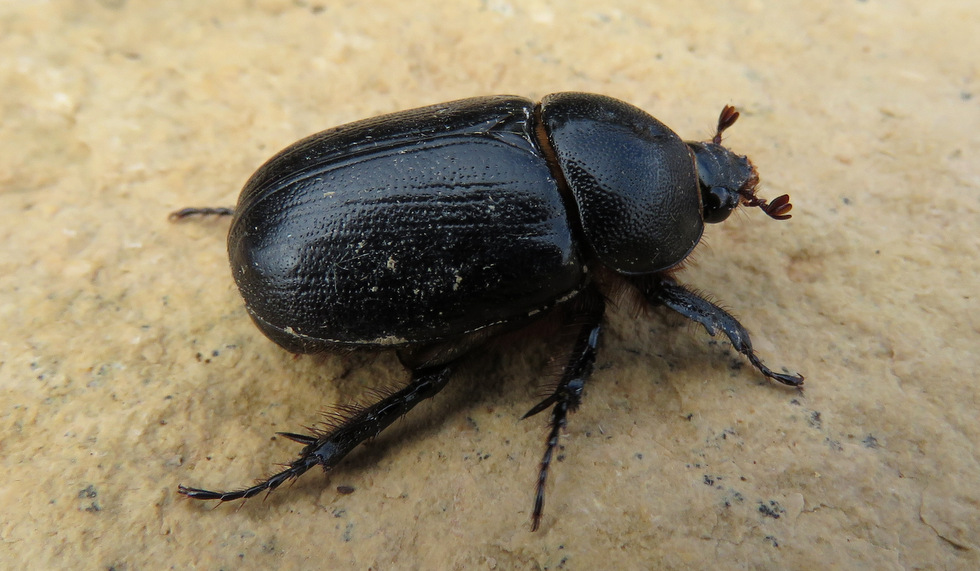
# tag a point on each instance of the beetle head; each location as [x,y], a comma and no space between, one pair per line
[727,179]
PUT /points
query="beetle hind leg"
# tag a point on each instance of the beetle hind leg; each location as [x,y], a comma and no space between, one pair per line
[568,394]
[330,447]
[664,290]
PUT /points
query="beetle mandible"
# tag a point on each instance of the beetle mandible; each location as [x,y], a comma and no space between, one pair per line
[432,230]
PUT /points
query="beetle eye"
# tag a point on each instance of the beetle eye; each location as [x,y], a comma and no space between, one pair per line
[718,203]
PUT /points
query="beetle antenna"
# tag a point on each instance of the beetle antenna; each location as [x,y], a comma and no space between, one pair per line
[727,118]
[777,209]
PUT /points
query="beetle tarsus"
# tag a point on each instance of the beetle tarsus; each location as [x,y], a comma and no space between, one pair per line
[665,291]
[568,393]
[329,448]
[206,211]
[296,469]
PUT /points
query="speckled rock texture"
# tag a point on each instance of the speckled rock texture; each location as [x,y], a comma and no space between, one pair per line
[128,364]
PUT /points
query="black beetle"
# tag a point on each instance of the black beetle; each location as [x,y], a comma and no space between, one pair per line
[430,231]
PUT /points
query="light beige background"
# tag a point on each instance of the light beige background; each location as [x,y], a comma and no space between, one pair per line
[128,364]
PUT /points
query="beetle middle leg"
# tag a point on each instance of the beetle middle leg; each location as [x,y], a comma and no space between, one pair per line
[664,290]
[568,394]
[329,447]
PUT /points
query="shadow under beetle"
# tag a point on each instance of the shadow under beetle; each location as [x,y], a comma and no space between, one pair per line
[429,231]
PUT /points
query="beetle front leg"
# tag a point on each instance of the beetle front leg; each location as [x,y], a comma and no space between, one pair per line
[329,447]
[666,291]
[568,393]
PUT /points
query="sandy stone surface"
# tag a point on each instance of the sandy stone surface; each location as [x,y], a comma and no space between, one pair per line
[128,364]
